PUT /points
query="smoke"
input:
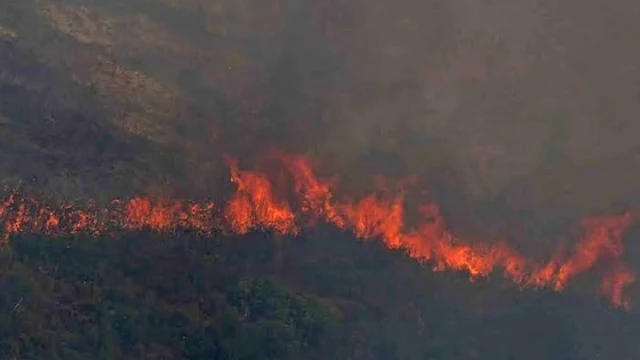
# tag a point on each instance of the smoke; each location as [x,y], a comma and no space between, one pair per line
[512,109]
[518,117]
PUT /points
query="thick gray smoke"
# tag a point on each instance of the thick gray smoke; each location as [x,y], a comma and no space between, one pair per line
[512,113]
[526,108]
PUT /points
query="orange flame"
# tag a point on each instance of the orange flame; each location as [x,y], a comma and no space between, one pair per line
[603,240]
[167,215]
[256,205]
[614,284]
[253,206]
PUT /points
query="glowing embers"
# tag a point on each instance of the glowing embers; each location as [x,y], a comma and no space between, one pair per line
[167,215]
[27,215]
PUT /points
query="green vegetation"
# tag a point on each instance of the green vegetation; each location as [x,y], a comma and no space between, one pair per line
[317,297]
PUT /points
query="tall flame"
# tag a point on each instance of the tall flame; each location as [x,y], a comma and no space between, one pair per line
[256,205]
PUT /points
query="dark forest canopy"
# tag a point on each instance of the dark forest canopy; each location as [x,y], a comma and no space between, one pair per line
[320,296]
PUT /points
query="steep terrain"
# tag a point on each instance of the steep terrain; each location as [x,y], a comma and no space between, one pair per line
[517,117]
[318,296]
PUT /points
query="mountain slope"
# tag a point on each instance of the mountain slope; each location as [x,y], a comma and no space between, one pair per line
[319,296]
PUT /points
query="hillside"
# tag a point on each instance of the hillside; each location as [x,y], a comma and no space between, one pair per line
[514,119]
[319,296]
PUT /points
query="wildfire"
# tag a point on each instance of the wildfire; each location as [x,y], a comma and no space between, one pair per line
[256,205]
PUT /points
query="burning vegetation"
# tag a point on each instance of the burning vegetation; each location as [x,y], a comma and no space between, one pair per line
[257,204]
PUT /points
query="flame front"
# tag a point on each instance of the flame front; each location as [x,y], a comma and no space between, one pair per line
[256,205]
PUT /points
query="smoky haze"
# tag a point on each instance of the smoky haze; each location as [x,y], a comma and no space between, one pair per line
[519,116]
[516,110]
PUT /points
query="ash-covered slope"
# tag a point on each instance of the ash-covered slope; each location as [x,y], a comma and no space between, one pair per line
[54,136]
[89,104]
